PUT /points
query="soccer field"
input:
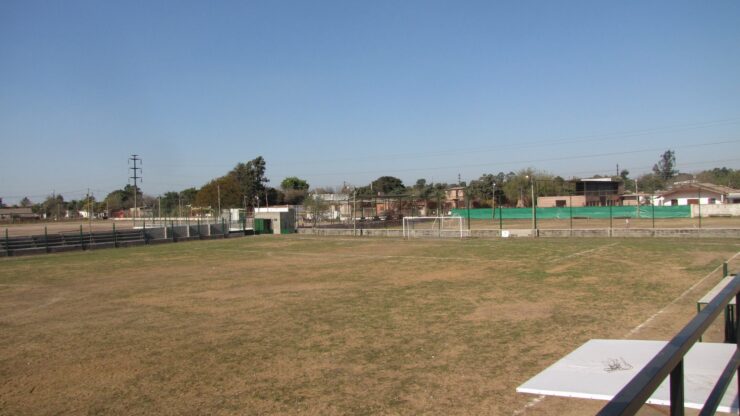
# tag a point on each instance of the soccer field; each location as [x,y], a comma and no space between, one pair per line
[302,325]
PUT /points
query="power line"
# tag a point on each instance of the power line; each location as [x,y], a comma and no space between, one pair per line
[527,161]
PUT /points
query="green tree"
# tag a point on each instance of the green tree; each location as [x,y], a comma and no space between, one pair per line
[650,183]
[25,202]
[721,176]
[124,198]
[251,179]
[53,207]
[169,204]
[294,190]
[316,207]
[294,183]
[188,196]
[229,190]
[388,185]
[666,166]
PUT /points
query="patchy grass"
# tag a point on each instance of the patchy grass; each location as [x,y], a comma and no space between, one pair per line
[290,324]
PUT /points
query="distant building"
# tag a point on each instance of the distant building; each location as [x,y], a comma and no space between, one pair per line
[282,218]
[339,205]
[455,197]
[11,214]
[634,199]
[693,193]
[593,192]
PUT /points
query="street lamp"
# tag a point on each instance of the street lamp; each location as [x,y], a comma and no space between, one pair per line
[534,203]
[493,203]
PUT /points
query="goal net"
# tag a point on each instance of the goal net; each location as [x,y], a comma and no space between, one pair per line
[418,227]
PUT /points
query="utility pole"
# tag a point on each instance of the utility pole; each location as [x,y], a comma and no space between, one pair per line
[137,176]
[493,203]
[354,214]
[89,210]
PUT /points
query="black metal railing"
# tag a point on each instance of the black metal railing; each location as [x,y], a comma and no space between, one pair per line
[669,361]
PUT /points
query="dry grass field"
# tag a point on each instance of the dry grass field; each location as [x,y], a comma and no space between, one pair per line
[300,325]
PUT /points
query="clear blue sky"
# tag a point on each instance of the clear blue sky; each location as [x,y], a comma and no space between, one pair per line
[348,90]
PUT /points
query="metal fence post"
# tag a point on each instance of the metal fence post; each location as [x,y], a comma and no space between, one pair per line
[677,396]
[46,239]
[7,242]
[724,269]
[115,238]
[737,331]
[82,240]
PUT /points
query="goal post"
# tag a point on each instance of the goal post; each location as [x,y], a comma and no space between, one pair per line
[420,227]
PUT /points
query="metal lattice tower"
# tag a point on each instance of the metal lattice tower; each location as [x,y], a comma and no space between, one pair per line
[136,177]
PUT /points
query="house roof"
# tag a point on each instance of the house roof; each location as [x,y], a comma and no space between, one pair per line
[19,210]
[697,186]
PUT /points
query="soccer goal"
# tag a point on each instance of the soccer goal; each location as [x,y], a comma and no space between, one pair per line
[418,227]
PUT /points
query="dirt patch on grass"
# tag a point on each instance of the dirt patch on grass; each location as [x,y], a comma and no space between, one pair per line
[317,326]
[511,311]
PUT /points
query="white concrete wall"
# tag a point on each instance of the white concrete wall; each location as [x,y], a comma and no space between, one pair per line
[716,210]
[683,198]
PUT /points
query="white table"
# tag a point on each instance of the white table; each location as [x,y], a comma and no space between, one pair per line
[600,368]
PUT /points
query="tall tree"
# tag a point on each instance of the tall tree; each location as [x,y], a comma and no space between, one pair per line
[124,198]
[295,183]
[227,188]
[25,202]
[666,166]
[251,179]
[294,190]
[316,206]
[54,207]
[388,185]
[721,176]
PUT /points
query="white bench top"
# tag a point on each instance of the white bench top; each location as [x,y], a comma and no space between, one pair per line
[600,368]
[715,290]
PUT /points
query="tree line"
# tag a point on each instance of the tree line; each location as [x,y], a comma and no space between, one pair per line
[246,186]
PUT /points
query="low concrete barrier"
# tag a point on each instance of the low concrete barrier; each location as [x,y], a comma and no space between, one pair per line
[545,233]
[58,243]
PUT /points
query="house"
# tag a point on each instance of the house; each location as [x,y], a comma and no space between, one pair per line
[11,214]
[634,199]
[561,201]
[693,193]
[339,205]
[455,197]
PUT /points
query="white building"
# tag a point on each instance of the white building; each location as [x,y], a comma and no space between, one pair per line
[694,193]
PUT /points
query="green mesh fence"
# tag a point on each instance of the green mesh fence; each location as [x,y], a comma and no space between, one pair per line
[645,211]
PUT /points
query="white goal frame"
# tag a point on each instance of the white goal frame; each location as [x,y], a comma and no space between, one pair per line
[440,227]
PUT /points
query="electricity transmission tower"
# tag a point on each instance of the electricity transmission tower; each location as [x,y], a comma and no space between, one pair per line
[137,177]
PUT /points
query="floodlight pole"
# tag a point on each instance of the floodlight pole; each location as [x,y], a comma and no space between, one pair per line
[699,189]
[534,208]
[354,213]
[493,203]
